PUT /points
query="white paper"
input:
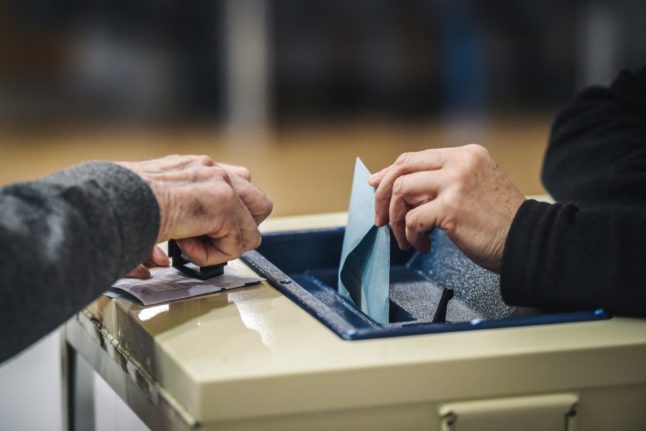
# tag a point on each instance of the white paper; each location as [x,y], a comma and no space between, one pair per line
[168,284]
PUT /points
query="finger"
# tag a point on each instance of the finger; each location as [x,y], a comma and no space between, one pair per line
[158,258]
[419,240]
[405,164]
[205,251]
[256,202]
[247,233]
[239,233]
[140,272]
[375,178]
[419,222]
[410,191]
[222,242]
[399,231]
[250,236]
[240,171]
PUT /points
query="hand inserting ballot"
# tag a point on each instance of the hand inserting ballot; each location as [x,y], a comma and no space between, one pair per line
[459,190]
[212,209]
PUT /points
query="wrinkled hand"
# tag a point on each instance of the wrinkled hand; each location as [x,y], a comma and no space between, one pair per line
[211,209]
[459,190]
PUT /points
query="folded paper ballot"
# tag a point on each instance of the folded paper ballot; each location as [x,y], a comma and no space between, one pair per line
[167,284]
[364,270]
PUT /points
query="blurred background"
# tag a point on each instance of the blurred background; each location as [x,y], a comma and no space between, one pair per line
[295,90]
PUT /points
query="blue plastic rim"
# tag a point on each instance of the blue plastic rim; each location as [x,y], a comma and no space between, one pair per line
[303,266]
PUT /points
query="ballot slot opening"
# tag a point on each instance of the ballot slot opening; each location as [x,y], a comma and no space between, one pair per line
[436,292]
[311,259]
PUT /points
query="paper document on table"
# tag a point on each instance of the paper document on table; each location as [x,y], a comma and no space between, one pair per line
[167,284]
[364,271]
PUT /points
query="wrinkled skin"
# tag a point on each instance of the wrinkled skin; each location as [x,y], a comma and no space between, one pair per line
[211,209]
[459,190]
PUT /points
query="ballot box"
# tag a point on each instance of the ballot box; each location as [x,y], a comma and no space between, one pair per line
[440,291]
[291,354]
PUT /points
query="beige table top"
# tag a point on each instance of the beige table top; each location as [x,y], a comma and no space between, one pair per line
[252,352]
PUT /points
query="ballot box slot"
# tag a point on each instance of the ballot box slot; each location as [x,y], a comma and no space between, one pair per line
[440,291]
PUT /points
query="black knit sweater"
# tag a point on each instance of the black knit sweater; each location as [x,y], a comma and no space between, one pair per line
[588,250]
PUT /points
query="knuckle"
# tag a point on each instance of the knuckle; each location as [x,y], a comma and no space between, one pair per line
[402,159]
[245,173]
[399,187]
[205,160]
[478,149]
[475,154]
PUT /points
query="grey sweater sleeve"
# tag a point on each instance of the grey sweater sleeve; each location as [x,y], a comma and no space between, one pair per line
[63,240]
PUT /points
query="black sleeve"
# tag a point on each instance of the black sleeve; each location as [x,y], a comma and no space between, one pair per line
[597,150]
[63,240]
[563,257]
[591,252]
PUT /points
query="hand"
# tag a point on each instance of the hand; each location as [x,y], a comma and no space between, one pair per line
[211,209]
[459,190]
[157,258]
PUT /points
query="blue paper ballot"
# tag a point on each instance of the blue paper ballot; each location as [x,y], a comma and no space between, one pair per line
[364,271]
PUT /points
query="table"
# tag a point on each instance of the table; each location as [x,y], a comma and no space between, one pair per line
[250,359]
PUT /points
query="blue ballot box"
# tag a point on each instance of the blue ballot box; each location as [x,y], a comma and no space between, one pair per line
[303,265]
